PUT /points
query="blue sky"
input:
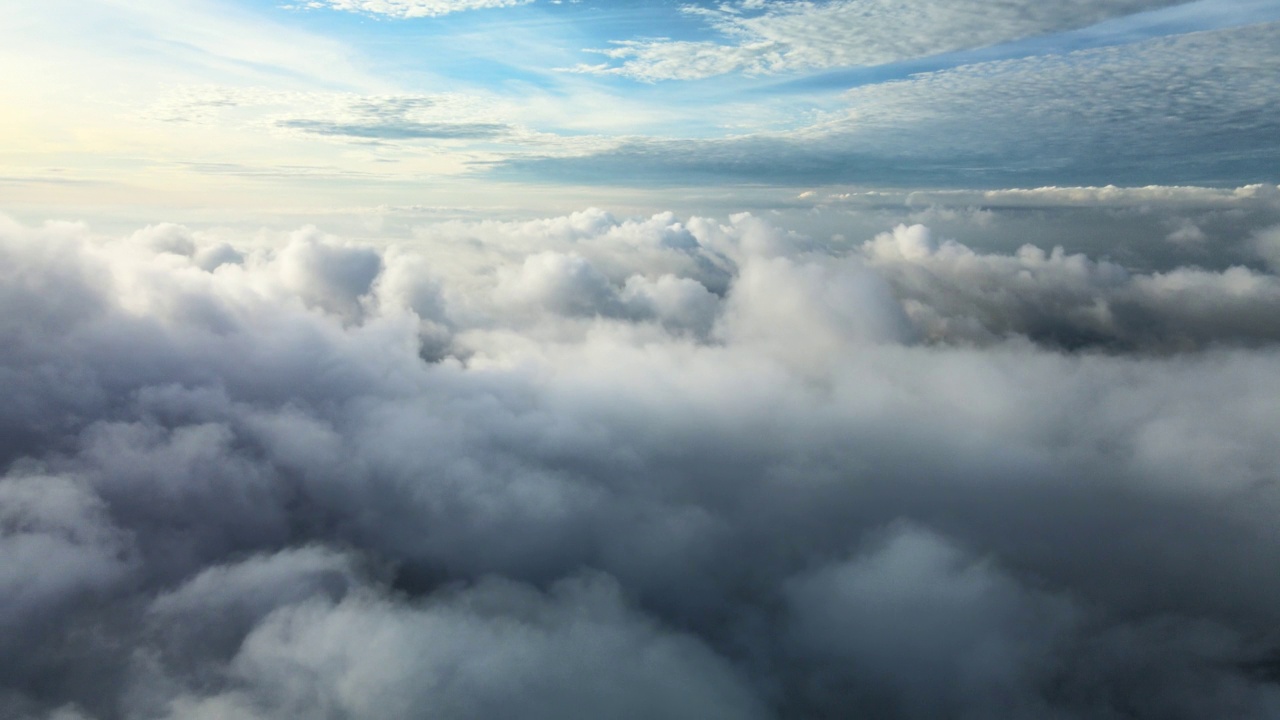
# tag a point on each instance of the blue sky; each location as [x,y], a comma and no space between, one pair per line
[471,102]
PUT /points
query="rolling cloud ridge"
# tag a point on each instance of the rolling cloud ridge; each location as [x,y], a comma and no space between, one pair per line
[655,467]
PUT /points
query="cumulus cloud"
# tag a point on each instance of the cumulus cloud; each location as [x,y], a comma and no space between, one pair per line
[1267,244]
[954,293]
[488,651]
[929,629]
[676,467]
[789,36]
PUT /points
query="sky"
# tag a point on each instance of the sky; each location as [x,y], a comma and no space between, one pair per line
[517,106]
[764,359]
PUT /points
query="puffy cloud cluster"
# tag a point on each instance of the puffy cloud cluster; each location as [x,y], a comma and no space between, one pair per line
[956,294]
[585,466]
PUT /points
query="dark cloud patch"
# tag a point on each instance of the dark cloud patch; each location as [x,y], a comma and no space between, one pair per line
[658,467]
[836,159]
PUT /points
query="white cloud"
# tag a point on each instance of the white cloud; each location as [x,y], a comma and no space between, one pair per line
[1117,96]
[956,294]
[406,9]
[789,36]
[676,467]
[1189,108]
[558,282]
[1111,196]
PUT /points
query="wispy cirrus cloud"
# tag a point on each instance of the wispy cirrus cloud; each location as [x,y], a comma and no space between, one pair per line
[407,9]
[403,118]
[762,38]
[397,130]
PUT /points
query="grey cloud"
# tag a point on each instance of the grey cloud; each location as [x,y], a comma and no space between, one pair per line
[1129,227]
[1186,109]
[955,294]
[401,130]
[948,633]
[647,467]
[1183,198]
[561,283]
[392,106]
[326,275]
[167,237]
[676,301]
[483,652]
[956,635]
[60,547]
[1267,245]
[336,116]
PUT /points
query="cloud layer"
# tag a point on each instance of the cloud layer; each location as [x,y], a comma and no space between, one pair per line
[776,37]
[1190,108]
[631,468]
[955,293]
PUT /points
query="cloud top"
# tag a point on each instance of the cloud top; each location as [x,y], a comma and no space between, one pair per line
[662,466]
